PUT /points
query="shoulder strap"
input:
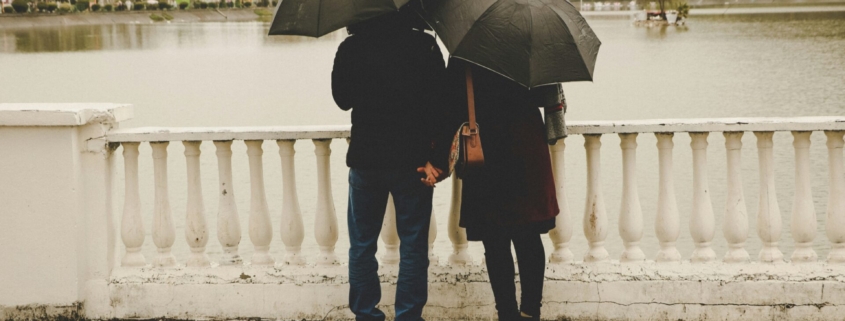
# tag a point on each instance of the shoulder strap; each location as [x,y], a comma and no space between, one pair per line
[473,127]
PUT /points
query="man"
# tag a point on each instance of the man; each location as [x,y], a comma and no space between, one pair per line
[389,73]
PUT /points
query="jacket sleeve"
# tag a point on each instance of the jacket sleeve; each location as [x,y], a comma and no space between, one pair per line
[547,96]
[452,99]
[443,126]
[345,85]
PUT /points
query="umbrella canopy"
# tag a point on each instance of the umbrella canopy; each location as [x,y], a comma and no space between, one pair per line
[533,42]
[315,18]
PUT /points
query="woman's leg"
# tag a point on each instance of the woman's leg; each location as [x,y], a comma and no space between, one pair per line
[531,258]
[497,251]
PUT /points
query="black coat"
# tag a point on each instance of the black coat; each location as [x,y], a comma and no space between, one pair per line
[515,188]
[393,82]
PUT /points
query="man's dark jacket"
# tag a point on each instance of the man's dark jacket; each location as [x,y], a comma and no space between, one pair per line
[392,79]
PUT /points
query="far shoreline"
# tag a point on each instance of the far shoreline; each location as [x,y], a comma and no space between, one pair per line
[36,20]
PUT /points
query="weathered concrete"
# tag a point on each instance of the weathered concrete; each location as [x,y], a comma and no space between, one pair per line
[605,291]
[56,226]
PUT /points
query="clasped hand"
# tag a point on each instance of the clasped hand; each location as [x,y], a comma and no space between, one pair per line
[432,174]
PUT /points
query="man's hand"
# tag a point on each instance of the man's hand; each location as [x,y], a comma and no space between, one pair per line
[432,174]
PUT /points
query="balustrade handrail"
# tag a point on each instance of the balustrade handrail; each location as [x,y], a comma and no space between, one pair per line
[154,134]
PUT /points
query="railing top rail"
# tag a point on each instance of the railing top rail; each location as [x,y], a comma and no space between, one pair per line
[153,134]
[156,134]
[707,125]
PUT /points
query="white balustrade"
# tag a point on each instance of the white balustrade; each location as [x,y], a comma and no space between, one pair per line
[768,211]
[735,224]
[803,225]
[325,220]
[291,229]
[595,215]
[389,235]
[835,225]
[196,231]
[457,235]
[260,228]
[164,234]
[702,223]
[667,222]
[562,233]
[228,223]
[630,211]
[433,259]
[132,225]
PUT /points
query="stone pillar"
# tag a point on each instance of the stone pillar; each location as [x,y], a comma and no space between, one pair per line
[57,221]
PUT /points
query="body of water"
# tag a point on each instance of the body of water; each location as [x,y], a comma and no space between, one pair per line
[231,74]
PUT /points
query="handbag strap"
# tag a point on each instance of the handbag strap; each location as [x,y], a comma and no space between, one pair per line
[473,127]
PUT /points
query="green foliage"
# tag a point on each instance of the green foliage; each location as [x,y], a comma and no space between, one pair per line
[275,3]
[82,5]
[203,5]
[163,5]
[139,6]
[8,9]
[247,4]
[20,6]
[120,7]
[95,7]
[52,6]
[167,16]
[230,4]
[156,18]
[683,10]
[108,7]
[183,5]
[212,5]
[261,12]
[41,6]
[65,8]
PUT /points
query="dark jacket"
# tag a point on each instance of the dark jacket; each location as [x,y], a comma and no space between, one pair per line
[515,187]
[392,80]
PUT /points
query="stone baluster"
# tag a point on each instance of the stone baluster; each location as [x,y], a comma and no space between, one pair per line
[562,233]
[228,223]
[389,235]
[164,234]
[325,222]
[702,222]
[291,230]
[735,224]
[835,225]
[803,212]
[196,231]
[433,259]
[768,213]
[458,235]
[260,227]
[132,225]
[595,215]
[667,222]
[630,212]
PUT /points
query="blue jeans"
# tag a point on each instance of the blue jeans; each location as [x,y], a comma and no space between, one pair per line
[368,192]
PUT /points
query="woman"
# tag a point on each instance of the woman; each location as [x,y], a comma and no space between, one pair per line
[511,199]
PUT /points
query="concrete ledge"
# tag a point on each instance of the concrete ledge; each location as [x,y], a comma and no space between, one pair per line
[63,114]
[42,312]
[609,291]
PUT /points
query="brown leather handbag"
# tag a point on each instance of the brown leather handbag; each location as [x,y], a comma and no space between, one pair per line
[466,152]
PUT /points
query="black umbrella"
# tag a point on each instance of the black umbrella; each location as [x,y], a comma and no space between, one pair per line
[316,18]
[533,42]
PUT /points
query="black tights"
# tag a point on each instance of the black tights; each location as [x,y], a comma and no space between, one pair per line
[531,259]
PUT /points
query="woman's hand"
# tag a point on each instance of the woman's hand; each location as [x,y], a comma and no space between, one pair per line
[432,174]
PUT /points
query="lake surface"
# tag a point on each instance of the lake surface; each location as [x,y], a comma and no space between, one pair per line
[231,74]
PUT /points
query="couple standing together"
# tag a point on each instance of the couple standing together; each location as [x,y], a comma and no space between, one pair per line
[406,106]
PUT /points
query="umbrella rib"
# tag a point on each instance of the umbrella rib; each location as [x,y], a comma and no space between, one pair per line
[319,16]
